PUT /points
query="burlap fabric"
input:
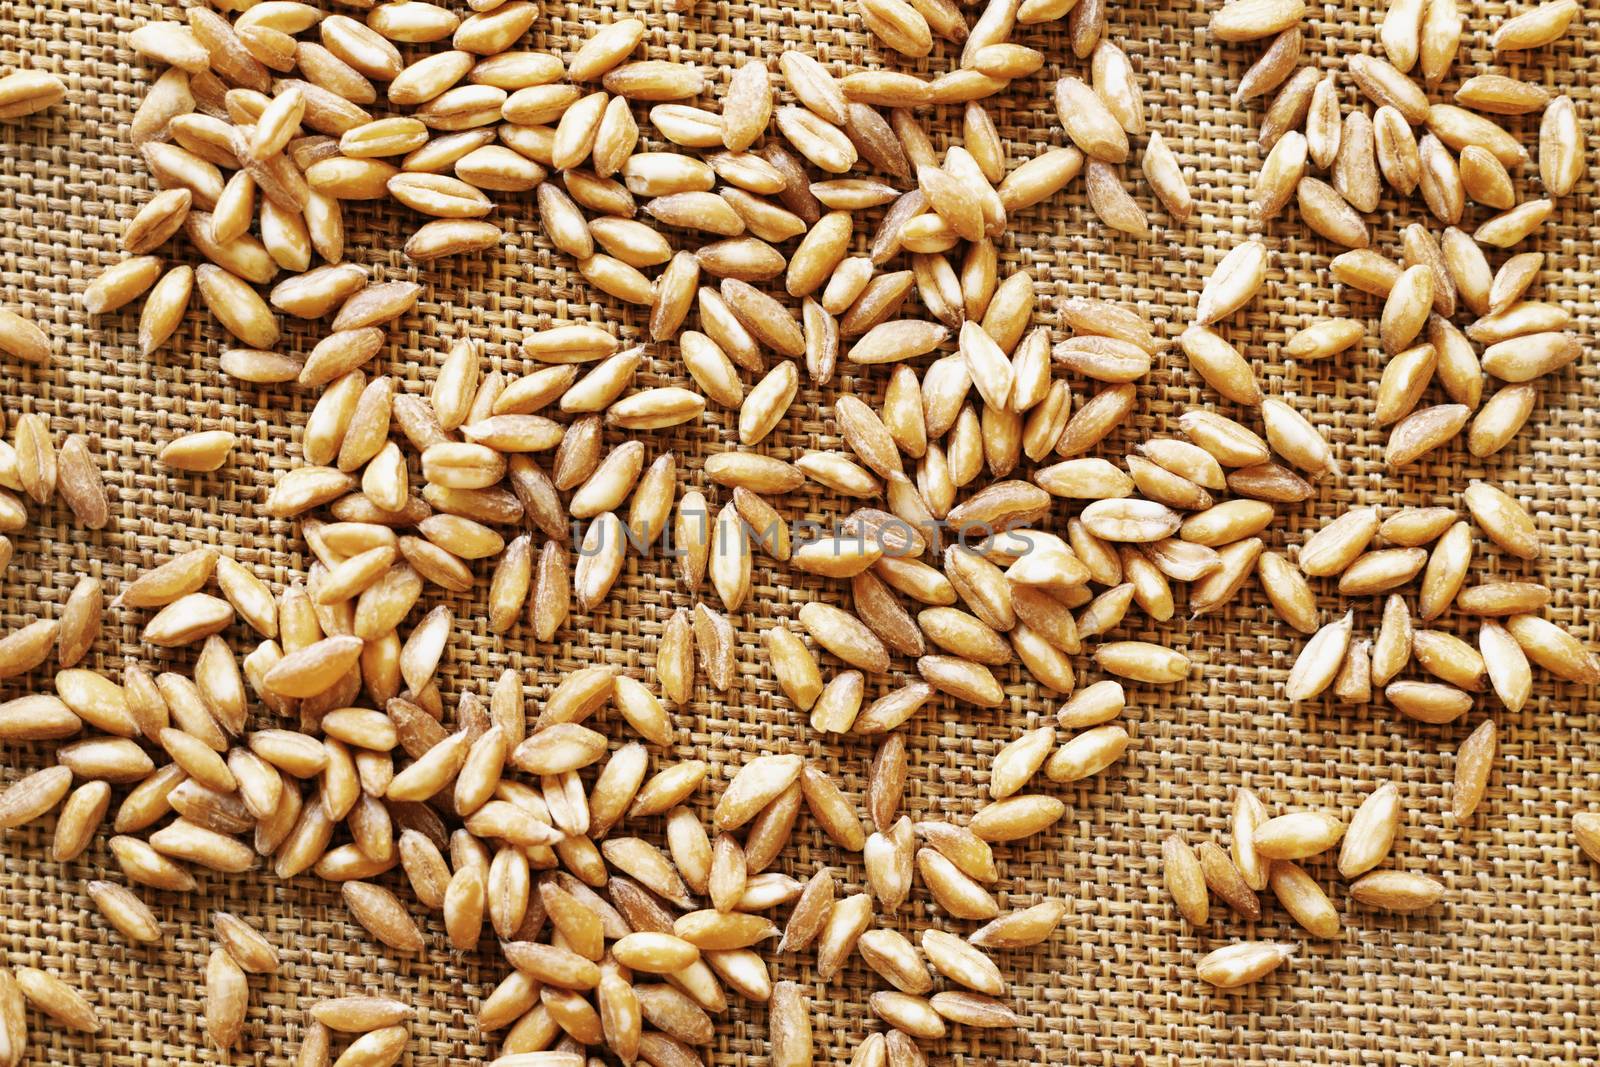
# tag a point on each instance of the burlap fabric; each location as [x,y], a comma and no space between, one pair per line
[1502,971]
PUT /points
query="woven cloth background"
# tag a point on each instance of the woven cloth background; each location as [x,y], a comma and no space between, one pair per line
[1502,971]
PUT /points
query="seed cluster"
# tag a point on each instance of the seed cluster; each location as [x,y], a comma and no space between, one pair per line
[262,127]
[1522,340]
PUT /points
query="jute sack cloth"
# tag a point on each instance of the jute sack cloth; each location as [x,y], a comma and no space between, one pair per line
[1501,971]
